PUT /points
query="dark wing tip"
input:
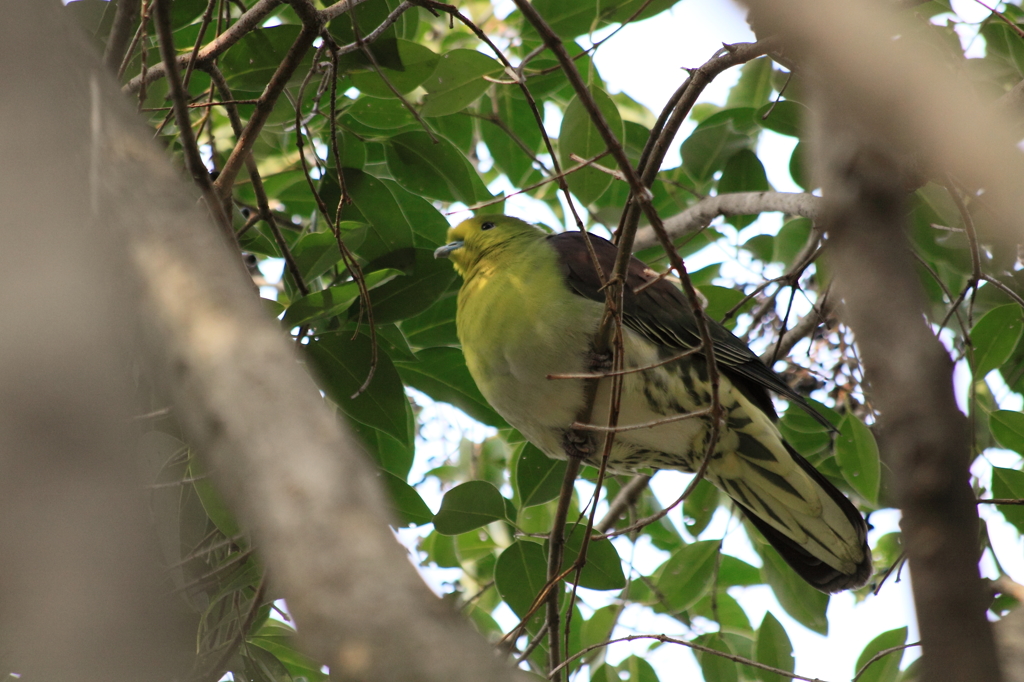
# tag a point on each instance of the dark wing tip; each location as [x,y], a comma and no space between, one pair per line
[816,572]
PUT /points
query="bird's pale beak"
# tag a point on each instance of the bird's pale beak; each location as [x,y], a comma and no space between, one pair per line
[445,250]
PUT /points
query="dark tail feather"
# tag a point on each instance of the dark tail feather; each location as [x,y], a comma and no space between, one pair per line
[816,572]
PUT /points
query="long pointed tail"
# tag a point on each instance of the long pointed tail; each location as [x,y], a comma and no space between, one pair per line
[809,567]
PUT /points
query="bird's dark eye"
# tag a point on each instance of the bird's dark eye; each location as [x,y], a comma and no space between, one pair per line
[486,226]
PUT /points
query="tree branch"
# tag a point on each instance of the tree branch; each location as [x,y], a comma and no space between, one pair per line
[243,147]
[704,211]
[922,430]
[245,23]
[120,32]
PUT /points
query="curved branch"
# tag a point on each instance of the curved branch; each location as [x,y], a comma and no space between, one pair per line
[704,211]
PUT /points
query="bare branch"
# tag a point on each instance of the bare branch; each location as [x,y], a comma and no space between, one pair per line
[245,23]
[923,432]
[704,211]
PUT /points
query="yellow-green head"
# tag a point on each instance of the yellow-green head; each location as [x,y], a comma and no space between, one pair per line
[471,239]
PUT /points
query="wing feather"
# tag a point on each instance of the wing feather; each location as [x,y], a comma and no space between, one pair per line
[658,310]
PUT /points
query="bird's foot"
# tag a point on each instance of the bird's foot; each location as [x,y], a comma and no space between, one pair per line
[578,444]
[599,363]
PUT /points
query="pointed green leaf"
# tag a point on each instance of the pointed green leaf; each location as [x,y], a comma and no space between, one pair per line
[382,114]
[581,137]
[457,81]
[538,477]
[419,63]
[801,601]
[407,504]
[433,168]
[754,86]
[995,336]
[714,141]
[717,668]
[469,506]
[343,363]
[520,575]
[884,669]
[857,453]
[332,300]
[785,117]
[1008,484]
[426,279]
[1008,428]
[773,648]
[686,576]
[700,506]
[279,639]
[603,570]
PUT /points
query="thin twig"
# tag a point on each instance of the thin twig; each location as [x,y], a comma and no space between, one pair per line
[193,161]
[696,647]
[882,654]
[245,23]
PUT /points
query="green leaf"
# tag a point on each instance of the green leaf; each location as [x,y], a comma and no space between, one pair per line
[790,240]
[721,300]
[418,62]
[717,668]
[426,278]
[700,506]
[785,117]
[440,550]
[637,670]
[391,454]
[433,168]
[520,575]
[801,601]
[886,668]
[598,628]
[316,252]
[212,502]
[603,570]
[383,114]
[800,167]
[538,477]
[435,326]
[279,639]
[516,117]
[719,606]
[1009,484]
[714,141]
[743,172]
[384,227]
[469,506]
[762,247]
[343,363]
[251,62]
[773,648]
[734,571]
[457,81]
[857,454]
[442,374]
[1008,428]
[579,136]
[686,576]
[995,337]
[365,19]
[409,507]
[754,86]
[332,300]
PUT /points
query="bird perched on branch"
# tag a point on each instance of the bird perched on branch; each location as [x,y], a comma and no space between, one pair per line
[528,310]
